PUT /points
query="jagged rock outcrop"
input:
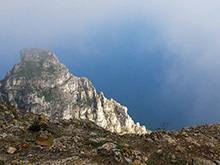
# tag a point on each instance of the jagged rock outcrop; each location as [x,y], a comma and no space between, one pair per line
[29,139]
[41,84]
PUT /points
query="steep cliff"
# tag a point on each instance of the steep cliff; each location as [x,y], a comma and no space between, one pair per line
[41,84]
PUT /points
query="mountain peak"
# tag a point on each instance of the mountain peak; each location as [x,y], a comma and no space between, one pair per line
[34,54]
[42,85]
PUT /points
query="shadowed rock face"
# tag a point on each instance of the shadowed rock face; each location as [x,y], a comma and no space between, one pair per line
[43,85]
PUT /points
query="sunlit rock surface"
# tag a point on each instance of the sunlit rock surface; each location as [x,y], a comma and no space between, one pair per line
[40,84]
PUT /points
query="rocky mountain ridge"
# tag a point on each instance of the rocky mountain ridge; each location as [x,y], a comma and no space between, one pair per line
[31,139]
[42,85]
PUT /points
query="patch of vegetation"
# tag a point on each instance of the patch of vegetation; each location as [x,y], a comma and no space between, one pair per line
[29,89]
[1,94]
[167,159]
[96,145]
[51,70]
[30,137]
[86,138]
[90,85]
[47,96]
[89,102]
[76,154]
[66,123]
[161,156]
[120,147]
[151,163]
[44,54]
[1,109]
[29,70]
[86,102]
[109,125]
[1,89]
[74,106]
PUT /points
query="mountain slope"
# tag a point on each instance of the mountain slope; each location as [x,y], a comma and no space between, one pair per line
[28,139]
[41,84]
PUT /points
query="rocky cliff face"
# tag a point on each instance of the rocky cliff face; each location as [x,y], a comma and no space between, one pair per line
[40,84]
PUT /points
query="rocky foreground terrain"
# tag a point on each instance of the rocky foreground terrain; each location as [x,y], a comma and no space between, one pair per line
[27,138]
[41,84]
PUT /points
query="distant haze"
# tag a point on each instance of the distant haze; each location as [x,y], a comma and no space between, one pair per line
[160,58]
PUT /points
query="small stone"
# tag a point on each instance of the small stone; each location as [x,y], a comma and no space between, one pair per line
[145,158]
[174,161]
[178,148]
[16,161]
[173,157]
[93,140]
[149,140]
[128,160]
[159,151]
[106,149]
[11,150]
[45,141]
[108,146]
[82,152]
[200,161]
[103,139]
[93,134]
[4,135]
[171,141]
[217,162]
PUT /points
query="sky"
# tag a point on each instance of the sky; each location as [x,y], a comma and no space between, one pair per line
[160,58]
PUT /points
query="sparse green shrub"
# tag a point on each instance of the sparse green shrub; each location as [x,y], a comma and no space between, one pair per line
[166,158]
[120,147]
[86,138]
[29,70]
[86,102]
[96,145]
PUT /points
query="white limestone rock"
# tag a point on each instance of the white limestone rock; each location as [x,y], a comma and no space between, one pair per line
[43,85]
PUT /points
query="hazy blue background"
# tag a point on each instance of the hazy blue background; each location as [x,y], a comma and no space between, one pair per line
[160,58]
